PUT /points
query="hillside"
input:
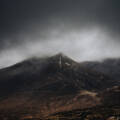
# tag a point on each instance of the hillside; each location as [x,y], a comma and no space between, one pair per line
[109,67]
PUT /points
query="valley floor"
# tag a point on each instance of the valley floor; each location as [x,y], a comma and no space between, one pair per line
[97,113]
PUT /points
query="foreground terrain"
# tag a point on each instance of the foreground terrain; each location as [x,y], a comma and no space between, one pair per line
[98,113]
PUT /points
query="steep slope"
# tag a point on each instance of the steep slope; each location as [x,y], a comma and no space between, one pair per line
[33,71]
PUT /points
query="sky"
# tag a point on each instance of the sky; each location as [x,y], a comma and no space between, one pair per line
[81,29]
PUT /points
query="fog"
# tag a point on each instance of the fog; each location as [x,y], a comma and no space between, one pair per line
[87,44]
[84,30]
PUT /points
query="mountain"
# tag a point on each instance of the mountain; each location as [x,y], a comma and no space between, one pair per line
[39,87]
[109,67]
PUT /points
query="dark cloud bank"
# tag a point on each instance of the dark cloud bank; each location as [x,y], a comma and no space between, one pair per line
[82,29]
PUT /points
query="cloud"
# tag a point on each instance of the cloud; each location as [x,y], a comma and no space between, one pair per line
[81,45]
[82,29]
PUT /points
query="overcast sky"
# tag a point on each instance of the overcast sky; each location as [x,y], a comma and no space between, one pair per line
[81,29]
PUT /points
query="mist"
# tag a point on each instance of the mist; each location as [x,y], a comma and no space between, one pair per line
[81,29]
[87,44]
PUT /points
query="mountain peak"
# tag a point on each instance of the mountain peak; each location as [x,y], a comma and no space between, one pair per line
[60,55]
[62,60]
